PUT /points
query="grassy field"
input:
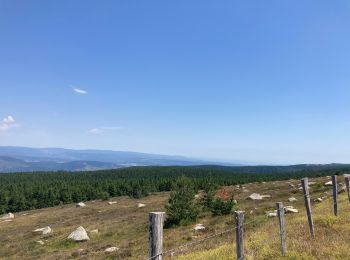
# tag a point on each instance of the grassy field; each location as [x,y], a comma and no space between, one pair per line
[125,226]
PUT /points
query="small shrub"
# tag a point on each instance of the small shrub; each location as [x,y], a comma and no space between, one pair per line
[221,207]
[326,221]
[104,195]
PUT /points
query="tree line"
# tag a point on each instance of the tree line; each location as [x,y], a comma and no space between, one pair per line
[25,191]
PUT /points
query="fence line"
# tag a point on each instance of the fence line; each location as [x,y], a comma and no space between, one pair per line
[240,224]
[199,241]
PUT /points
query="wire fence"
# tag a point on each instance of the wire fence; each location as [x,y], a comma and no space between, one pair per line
[179,249]
[190,245]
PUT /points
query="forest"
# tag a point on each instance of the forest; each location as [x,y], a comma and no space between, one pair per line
[25,191]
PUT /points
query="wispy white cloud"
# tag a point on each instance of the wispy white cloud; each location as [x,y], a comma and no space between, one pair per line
[79,91]
[100,130]
[8,123]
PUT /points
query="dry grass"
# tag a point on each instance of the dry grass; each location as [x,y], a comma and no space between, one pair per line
[126,226]
[330,242]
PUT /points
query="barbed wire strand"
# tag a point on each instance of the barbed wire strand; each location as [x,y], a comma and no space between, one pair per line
[196,242]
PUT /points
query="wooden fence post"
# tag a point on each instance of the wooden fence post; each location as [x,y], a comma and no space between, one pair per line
[239,234]
[347,186]
[156,220]
[335,195]
[305,184]
[280,212]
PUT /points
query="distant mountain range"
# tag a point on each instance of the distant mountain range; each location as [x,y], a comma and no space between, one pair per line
[23,159]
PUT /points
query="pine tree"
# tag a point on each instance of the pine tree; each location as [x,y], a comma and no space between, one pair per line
[181,208]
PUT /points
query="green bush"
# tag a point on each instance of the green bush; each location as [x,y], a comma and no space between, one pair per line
[181,208]
[222,207]
[209,189]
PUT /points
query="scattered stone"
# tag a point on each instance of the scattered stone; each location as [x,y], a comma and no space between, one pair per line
[111,249]
[312,183]
[7,216]
[244,189]
[77,253]
[318,200]
[328,183]
[235,202]
[199,227]
[112,202]
[141,205]
[81,205]
[40,242]
[292,199]
[44,231]
[290,209]
[95,231]
[197,196]
[79,235]
[341,188]
[291,185]
[271,214]
[256,196]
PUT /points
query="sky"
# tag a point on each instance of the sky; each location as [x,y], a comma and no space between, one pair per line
[262,81]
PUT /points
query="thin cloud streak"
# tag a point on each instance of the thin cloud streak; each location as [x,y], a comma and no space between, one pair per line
[79,91]
[103,129]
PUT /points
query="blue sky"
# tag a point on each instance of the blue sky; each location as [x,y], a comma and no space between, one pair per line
[264,81]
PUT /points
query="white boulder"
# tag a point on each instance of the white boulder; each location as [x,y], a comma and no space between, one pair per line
[141,205]
[271,214]
[257,196]
[292,199]
[81,205]
[79,235]
[40,242]
[290,209]
[95,231]
[318,200]
[199,227]
[328,183]
[111,249]
[112,202]
[341,188]
[7,216]
[44,231]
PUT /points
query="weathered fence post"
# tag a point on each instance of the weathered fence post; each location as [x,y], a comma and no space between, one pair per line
[335,195]
[346,178]
[280,213]
[239,234]
[305,184]
[156,220]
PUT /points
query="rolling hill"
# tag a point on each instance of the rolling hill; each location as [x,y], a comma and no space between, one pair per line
[24,159]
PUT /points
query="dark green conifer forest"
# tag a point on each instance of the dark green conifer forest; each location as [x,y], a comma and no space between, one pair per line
[24,191]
